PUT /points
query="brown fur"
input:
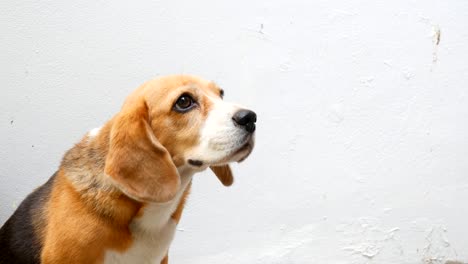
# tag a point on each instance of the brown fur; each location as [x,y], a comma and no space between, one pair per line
[89,212]
[77,233]
[136,160]
[224,174]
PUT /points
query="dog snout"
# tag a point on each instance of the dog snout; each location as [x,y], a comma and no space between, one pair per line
[246,119]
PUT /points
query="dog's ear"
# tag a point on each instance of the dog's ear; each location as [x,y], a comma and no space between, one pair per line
[140,166]
[224,174]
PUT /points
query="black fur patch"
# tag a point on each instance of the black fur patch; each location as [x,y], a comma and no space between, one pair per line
[19,243]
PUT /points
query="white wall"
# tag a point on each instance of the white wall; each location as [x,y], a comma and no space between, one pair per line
[362,153]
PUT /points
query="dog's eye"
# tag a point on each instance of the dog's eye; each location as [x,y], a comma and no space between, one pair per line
[184,103]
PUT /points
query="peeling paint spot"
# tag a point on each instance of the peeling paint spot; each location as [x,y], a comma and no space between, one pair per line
[367,81]
[336,114]
[11,122]
[436,40]
[436,35]
[408,74]
[366,237]
[261,29]
[438,247]
[285,67]
[424,19]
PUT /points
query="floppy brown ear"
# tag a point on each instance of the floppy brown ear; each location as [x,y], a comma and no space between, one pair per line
[224,174]
[136,161]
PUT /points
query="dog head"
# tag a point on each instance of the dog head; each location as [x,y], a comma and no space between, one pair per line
[170,123]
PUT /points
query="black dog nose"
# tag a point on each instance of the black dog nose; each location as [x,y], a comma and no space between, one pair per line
[246,118]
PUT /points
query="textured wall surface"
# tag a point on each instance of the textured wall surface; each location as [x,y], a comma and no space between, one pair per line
[362,144]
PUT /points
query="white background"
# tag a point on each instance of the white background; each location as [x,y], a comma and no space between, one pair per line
[362,144]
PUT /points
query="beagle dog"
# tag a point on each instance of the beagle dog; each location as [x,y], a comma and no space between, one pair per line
[119,193]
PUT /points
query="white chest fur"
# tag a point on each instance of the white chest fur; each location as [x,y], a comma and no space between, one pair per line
[153,232]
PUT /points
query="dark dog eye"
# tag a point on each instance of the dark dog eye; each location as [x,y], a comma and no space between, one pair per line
[184,103]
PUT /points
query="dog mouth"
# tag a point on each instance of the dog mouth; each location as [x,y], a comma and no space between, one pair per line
[238,154]
[244,150]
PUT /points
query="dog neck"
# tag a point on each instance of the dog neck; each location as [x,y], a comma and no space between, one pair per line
[83,167]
